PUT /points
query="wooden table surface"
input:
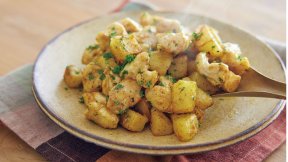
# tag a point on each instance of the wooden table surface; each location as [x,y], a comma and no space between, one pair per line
[26,25]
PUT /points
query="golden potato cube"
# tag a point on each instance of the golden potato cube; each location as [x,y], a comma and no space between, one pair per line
[147,79]
[90,52]
[143,107]
[203,100]
[208,40]
[203,83]
[160,124]
[160,98]
[73,76]
[185,126]
[121,46]
[133,121]
[178,68]
[99,114]
[183,96]
[103,39]
[160,61]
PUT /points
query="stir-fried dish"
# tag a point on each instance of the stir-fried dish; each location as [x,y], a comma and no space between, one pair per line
[157,73]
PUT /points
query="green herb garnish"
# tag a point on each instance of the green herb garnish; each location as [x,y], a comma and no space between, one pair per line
[125,72]
[196,35]
[129,59]
[148,84]
[121,112]
[142,93]
[90,76]
[92,47]
[161,84]
[108,55]
[118,86]
[81,100]
[117,69]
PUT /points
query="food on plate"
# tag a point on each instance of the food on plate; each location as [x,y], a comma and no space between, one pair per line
[155,73]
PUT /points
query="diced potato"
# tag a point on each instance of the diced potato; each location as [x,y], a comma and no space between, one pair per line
[73,76]
[203,100]
[208,40]
[90,52]
[121,46]
[123,95]
[133,121]
[160,98]
[160,61]
[191,66]
[147,79]
[183,96]
[203,83]
[178,68]
[185,126]
[232,56]
[174,43]
[104,62]
[91,78]
[143,107]
[131,25]
[94,97]
[160,124]
[232,82]
[101,116]
[116,29]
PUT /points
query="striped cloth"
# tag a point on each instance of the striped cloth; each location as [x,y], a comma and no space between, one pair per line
[19,112]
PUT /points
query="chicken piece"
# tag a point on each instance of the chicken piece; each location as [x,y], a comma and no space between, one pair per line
[131,25]
[160,97]
[114,29]
[232,57]
[123,95]
[94,97]
[73,76]
[163,25]
[92,77]
[147,38]
[172,42]
[109,82]
[90,52]
[147,79]
[99,114]
[139,65]
[217,74]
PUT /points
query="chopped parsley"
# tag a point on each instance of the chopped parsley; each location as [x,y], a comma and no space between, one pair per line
[129,59]
[90,76]
[113,34]
[213,47]
[148,84]
[92,47]
[107,98]
[173,80]
[142,93]
[116,102]
[125,72]
[102,75]
[196,36]
[81,100]
[161,84]
[120,112]
[77,72]
[66,89]
[118,86]
[113,77]
[117,69]
[239,58]
[108,55]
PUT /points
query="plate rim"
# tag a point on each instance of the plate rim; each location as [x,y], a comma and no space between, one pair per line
[250,131]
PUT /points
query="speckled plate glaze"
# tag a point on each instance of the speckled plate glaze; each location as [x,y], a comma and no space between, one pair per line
[227,122]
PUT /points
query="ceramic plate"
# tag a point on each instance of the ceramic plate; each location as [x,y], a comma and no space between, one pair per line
[228,121]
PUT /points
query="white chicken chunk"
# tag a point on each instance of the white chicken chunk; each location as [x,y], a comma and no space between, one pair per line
[94,97]
[109,82]
[131,25]
[91,77]
[140,64]
[163,25]
[147,79]
[217,74]
[232,57]
[147,38]
[114,29]
[173,42]
[123,95]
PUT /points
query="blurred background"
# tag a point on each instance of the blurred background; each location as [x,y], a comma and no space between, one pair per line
[27,25]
